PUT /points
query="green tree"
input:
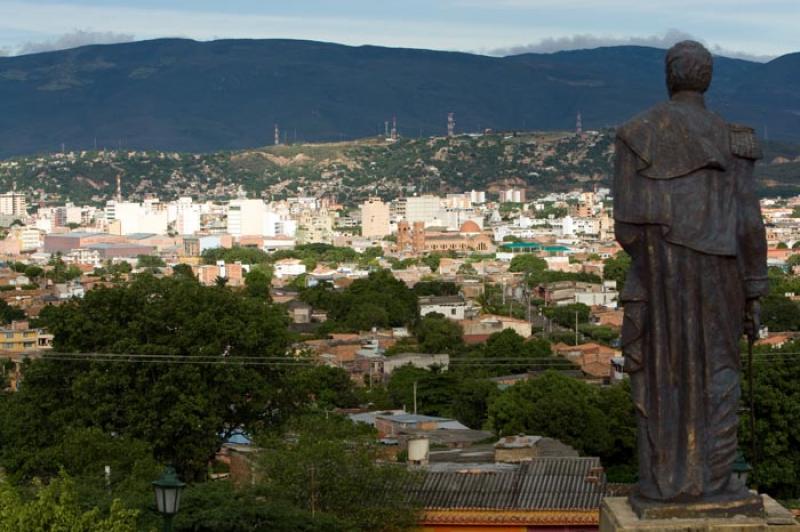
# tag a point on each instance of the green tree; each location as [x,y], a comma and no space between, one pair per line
[221,507]
[59,272]
[432,261]
[33,272]
[56,507]
[329,465]
[527,263]
[616,269]
[565,315]
[324,387]
[245,255]
[150,261]
[9,313]
[183,271]
[436,288]
[257,283]
[556,406]
[467,269]
[437,334]
[183,410]
[471,401]
[776,466]
[780,313]
[380,300]
[435,390]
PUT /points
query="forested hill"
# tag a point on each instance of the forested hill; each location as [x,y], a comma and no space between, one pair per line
[352,170]
[182,95]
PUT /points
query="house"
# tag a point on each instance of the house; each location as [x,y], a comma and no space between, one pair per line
[396,422]
[479,329]
[299,311]
[418,360]
[568,292]
[549,493]
[289,268]
[777,339]
[513,449]
[593,359]
[453,307]
[19,337]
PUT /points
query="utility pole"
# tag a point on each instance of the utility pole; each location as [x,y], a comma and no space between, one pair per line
[576,327]
[313,489]
[415,398]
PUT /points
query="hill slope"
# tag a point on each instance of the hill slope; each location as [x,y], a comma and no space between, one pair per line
[351,171]
[176,94]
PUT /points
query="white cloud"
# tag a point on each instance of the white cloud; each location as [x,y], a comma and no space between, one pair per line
[588,40]
[74,39]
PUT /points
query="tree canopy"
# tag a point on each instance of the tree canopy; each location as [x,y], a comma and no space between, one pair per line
[183,411]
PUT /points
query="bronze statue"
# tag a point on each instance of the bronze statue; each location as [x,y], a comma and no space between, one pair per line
[686,211]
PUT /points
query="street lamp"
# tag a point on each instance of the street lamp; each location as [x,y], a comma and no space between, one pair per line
[168,495]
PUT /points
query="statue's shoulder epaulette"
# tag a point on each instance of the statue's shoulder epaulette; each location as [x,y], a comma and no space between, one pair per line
[744,143]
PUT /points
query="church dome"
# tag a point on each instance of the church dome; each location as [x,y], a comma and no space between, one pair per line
[469,227]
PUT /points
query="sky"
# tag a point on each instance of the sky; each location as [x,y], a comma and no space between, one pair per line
[751,29]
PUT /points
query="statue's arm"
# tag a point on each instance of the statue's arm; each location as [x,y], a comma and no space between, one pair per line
[751,235]
[626,162]
[630,236]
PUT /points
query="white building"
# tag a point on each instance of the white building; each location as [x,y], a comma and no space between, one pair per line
[477,196]
[375,218]
[246,217]
[512,195]
[30,238]
[13,204]
[148,217]
[289,268]
[427,209]
[453,307]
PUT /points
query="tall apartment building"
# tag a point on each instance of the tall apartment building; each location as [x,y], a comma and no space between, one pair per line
[512,195]
[246,217]
[13,204]
[427,209]
[374,218]
[148,217]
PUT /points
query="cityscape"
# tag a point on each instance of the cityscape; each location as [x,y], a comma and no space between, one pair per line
[463,320]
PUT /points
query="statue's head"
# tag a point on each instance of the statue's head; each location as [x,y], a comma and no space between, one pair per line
[689,67]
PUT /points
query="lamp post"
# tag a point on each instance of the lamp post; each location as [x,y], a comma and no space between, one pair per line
[168,491]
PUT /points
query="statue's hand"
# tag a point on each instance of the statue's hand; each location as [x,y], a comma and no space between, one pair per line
[752,319]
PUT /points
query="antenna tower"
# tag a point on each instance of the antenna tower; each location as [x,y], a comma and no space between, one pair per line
[394,127]
[277,135]
[451,124]
[578,124]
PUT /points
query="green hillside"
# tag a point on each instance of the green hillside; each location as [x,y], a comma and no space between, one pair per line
[351,171]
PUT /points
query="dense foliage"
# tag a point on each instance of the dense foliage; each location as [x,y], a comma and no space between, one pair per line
[182,410]
[595,421]
[57,507]
[379,300]
[776,463]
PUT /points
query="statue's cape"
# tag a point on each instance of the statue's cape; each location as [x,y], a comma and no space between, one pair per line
[674,139]
[676,168]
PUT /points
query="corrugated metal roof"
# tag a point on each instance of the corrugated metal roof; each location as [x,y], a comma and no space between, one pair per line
[541,484]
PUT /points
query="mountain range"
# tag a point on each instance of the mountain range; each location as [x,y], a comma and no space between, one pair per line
[178,94]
